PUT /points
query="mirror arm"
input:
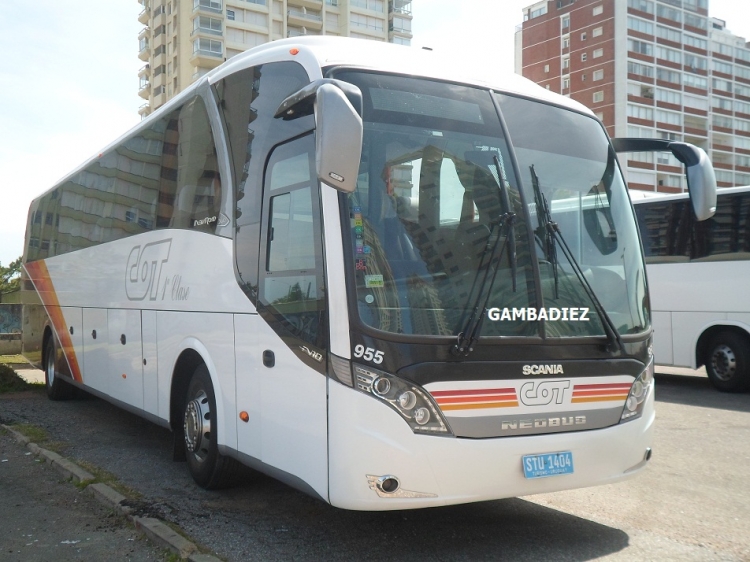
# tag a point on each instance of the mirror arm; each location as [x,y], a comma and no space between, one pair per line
[684,152]
[302,102]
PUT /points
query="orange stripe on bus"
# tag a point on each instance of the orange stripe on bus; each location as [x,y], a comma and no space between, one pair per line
[618,398]
[621,386]
[484,398]
[437,393]
[39,276]
[600,392]
[479,406]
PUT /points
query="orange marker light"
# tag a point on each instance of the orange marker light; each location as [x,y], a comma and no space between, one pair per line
[293,51]
[244,416]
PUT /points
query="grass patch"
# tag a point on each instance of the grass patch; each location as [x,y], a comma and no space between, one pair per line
[35,433]
[39,436]
[104,477]
[11,382]
[13,360]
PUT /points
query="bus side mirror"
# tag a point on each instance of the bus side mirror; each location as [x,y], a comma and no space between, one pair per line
[338,137]
[699,170]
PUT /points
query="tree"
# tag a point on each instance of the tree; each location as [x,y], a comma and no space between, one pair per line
[10,277]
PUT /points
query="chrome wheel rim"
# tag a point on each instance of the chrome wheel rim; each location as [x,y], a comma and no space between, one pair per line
[723,362]
[197,426]
[50,367]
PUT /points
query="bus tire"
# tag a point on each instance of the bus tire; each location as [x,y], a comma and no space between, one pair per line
[210,469]
[57,388]
[728,362]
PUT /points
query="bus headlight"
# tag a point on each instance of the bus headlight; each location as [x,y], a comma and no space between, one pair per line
[409,400]
[638,394]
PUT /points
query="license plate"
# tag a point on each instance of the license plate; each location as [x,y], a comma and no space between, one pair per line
[548,464]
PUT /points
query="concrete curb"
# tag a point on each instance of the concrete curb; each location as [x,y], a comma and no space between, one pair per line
[157,531]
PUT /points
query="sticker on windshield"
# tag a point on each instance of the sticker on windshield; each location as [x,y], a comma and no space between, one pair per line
[373,281]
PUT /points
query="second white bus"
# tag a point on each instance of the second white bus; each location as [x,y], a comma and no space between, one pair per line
[698,276]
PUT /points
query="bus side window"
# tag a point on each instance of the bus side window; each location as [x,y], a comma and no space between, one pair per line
[726,235]
[247,102]
[292,273]
[665,230]
[198,195]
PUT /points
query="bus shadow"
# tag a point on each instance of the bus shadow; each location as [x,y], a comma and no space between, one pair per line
[697,391]
[512,529]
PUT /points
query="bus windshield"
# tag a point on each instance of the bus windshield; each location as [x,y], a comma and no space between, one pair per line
[444,224]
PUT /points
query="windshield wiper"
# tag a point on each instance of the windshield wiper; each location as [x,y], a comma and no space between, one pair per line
[553,233]
[468,337]
[545,238]
[512,257]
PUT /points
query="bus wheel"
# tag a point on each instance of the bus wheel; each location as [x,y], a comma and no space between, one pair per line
[207,466]
[727,362]
[57,389]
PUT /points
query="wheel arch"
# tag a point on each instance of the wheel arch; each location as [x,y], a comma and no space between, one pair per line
[708,333]
[192,354]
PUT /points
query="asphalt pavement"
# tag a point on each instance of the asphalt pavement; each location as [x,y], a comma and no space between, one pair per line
[691,503]
[44,518]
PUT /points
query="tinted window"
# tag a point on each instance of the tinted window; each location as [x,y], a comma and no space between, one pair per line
[726,235]
[665,230]
[671,233]
[291,287]
[164,176]
[248,101]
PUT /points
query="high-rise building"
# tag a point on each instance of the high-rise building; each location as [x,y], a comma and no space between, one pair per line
[647,68]
[184,39]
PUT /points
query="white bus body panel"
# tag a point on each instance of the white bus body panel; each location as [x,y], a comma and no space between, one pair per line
[96,349]
[368,438]
[210,335]
[288,425]
[689,298]
[125,371]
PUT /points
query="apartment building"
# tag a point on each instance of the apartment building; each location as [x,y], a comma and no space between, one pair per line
[183,39]
[647,68]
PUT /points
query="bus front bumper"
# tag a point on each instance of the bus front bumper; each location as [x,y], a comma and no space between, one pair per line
[369,442]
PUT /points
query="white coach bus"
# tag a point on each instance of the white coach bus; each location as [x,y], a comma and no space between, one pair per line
[337,262]
[698,274]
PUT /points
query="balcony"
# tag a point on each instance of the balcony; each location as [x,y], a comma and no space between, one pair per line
[143,16]
[144,51]
[298,32]
[144,70]
[400,27]
[206,31]
[145,89]
[311,4]
[206,55]
[400,7]
[305,19]
[209,6]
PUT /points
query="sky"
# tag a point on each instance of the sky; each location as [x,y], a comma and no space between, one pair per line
[69,80]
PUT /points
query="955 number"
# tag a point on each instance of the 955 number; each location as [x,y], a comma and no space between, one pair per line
[368,354]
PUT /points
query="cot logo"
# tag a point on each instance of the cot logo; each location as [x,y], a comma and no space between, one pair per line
[543,393]
[143,271]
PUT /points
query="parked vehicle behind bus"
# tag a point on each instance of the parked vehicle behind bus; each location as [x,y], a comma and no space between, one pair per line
[346,265]
[698,275]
